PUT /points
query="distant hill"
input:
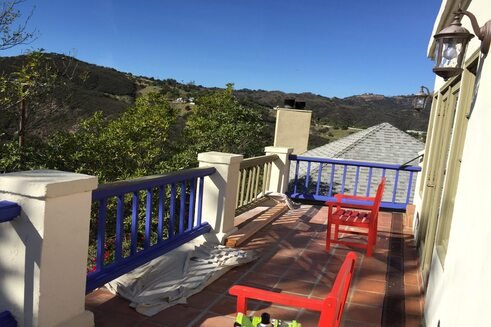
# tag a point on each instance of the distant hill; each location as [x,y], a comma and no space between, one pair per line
[94,88]
[359,111]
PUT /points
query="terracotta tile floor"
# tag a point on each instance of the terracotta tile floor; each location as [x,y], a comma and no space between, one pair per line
[385,291]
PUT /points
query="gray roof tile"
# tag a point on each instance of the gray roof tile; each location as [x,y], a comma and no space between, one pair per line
[381,143]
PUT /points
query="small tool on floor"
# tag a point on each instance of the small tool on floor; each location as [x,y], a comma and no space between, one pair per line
[263,321]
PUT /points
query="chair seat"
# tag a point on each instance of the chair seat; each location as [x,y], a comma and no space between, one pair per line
[345,212]
[351,218]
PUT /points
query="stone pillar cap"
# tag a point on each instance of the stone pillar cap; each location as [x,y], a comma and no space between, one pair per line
[278,149]
[296,110]
[220,157]
[46,183]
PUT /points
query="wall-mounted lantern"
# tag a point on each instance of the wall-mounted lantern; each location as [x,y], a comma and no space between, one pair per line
[420,99]
[452,41]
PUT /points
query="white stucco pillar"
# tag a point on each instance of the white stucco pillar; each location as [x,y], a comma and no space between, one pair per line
[220,191]
[43,252]
[281,168]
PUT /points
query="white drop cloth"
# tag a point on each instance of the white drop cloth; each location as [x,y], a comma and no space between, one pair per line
[175,276]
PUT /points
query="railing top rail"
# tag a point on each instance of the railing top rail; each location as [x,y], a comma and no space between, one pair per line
[8,211]
[355,163]
[133,185]
[256,161]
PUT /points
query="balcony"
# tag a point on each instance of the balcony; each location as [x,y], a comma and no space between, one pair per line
[386,289]
[148,217]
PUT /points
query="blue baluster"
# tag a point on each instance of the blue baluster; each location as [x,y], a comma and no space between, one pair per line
[344,178]
[307,178]
[134,223]
[296,176]
[356,180]
[172,210]
[319,177]
[119,227]
[332,179]
[101,234]
[394,193]
[369,182]
[182,207]
[192,199]
[148,218]
[160,226]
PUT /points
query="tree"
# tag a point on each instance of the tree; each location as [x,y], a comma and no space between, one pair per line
[138,143]
[13,33]
[29,86]
[220,123]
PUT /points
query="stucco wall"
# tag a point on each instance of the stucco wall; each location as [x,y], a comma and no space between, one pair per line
[458,292]
[292,129]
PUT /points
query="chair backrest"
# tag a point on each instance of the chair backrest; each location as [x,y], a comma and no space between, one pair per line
[378,197]
[333,306]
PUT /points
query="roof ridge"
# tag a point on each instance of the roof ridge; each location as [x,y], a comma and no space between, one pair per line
[405,134]
[338,141]
[352,145]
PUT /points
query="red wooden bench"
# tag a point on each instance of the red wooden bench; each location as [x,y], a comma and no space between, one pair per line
[354,211]
[331,308]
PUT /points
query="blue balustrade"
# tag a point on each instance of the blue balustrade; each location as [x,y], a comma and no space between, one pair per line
[319,179]
[138,220]
[7,319]
[8,211]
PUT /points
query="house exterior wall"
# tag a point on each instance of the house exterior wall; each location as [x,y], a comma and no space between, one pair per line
[457,291]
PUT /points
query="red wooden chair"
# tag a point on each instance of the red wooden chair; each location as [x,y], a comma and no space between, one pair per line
[357,211]
[331,308]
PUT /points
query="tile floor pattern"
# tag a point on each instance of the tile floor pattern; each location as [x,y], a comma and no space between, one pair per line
[386,289]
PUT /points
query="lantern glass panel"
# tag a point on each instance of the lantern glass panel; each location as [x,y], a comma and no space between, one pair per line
[419,102]
[451,53]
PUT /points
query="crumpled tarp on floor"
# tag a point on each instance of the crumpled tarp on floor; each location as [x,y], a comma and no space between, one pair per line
[175,276]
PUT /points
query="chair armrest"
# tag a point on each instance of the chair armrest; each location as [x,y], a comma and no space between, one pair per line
[244,292]
[348,205]
[339,197]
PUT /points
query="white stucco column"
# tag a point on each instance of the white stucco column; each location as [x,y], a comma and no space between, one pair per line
[220,191]
[43,252]
[281,168]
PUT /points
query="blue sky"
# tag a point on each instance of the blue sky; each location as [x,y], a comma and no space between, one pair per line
[333,48]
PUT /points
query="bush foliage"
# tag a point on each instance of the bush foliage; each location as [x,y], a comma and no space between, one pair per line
[149,138]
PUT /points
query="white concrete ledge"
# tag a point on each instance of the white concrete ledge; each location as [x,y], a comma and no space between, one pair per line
[278,149]
[220,158]
[47,183]
[295,110]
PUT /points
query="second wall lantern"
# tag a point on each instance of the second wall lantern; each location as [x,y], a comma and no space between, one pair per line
[451,43]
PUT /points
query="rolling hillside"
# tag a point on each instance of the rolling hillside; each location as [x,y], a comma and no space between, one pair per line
[88,88]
